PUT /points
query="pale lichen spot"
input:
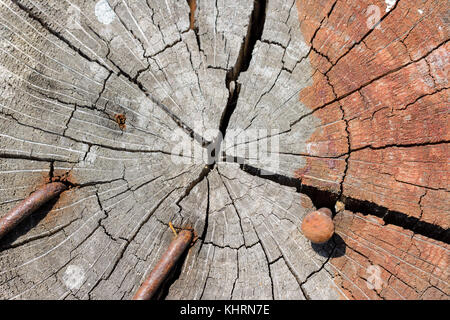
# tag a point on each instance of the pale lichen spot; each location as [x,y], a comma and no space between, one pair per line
[91,157]
[73,277]
[104,13]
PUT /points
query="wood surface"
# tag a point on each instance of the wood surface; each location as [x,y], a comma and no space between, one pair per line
[235,119]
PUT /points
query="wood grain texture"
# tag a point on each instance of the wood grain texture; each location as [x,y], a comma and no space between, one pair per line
[410,266]
[123,99]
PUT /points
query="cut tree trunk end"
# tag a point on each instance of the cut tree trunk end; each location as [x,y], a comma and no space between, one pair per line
[235,119]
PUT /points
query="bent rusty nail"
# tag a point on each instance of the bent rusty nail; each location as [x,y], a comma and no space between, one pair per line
[30,204]
[164,266]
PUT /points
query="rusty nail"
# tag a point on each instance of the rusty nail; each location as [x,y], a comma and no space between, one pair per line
[164,266]
[30,204]
[318,225]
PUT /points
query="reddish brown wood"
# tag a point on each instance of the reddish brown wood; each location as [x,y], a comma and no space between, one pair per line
[382,96]
[411,266]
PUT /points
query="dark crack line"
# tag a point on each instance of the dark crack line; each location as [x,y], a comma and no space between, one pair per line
[126,242]
[331,255]
[268,269]
[133,80]
[234,205]
[6,155]
[254,34]
[369,82]
[202,237]
[364,37]
[325,198]
[347,131]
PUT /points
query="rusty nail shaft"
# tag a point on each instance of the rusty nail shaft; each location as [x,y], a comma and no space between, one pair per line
[29,205]
[164,266]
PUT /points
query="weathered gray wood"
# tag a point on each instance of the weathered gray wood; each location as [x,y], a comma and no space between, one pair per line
[69,68]
[253,242]
[269,112]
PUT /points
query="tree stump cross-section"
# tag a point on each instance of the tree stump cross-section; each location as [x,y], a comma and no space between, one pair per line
[234,119]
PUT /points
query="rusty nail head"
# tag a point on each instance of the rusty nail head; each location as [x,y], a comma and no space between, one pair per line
[318,225]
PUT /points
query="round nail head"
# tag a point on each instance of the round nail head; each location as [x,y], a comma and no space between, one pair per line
[318,226]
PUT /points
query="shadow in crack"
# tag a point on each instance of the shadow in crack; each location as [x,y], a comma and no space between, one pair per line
[333,248]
